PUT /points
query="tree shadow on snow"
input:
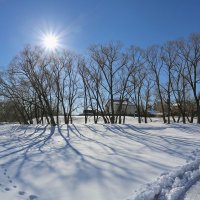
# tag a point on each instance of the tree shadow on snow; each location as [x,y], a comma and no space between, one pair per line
[153,138]
[94,151]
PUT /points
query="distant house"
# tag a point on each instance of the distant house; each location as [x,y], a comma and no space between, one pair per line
[153,113]
[88,112]
[126,107]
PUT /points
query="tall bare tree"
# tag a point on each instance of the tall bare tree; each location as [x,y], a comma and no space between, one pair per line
[109,59]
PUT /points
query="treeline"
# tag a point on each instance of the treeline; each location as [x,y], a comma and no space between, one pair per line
[44,85]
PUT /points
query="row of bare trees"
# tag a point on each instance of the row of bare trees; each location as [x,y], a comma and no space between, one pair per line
[41,85]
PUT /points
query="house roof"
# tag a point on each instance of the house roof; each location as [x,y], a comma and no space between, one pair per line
[125,102]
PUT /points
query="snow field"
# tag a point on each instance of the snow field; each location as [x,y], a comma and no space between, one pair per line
[173,185]
[193,193]
[94,161]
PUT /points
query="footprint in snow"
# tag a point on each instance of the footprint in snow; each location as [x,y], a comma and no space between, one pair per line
[21,193]
[9,179]
[7,189]
[33,197]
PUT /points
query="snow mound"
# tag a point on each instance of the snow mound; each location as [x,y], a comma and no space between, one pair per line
[171,186]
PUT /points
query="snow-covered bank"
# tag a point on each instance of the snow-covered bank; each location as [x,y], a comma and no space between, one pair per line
[193,193]
[171,186]
[94,161]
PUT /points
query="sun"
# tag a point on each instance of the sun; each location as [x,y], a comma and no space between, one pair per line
[50,42]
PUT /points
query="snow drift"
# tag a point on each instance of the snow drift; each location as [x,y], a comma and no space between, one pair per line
[96,161]
[173,185]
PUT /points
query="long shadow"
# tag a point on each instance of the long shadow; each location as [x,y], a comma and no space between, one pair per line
[91,162]
[68,145]
[23,144]
[187,188]
[83,137]
[20,149]
[119,154]
[15,141]
[191,129]
[166,144]
[26,145]
[46,139]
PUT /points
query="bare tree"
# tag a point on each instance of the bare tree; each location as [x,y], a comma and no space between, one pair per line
[32,64]
[64,67]
[189,51]
[169,57]
[109,59]
[137,78]
[155,63]
[148,85]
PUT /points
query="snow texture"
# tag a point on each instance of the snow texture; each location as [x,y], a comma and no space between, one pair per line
[96,161]
[173,185]
[193,193]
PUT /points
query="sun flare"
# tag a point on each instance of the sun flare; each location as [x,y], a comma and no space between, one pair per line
[50,41]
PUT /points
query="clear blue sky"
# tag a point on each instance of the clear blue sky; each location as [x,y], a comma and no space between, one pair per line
[85,22]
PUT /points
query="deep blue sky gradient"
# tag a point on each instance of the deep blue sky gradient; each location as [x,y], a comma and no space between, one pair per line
[85,22]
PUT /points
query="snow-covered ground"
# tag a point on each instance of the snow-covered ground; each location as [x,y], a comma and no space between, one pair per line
[194,192]
[100,162]
[173,185]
